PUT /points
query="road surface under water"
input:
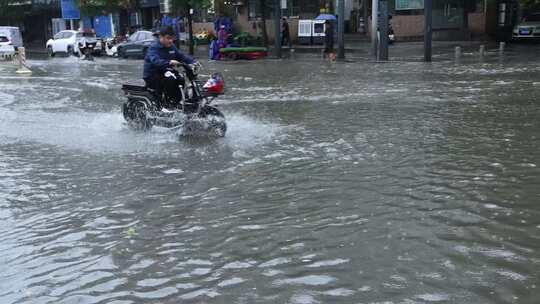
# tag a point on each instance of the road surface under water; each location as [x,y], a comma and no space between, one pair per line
[355,182]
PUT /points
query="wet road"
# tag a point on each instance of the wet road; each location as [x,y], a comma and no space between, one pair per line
[337,183]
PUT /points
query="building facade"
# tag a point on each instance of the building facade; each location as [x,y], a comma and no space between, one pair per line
[452,19]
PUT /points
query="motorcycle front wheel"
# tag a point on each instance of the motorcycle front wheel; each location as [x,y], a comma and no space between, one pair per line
[215,119]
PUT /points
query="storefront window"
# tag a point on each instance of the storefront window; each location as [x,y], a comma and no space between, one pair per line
[448,14]
[254,9]
[295,8]
[406,7]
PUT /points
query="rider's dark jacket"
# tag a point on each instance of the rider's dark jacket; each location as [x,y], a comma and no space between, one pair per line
[158,57]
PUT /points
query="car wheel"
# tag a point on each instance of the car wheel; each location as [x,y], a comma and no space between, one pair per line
[122,54]
[70,50]
[50,51]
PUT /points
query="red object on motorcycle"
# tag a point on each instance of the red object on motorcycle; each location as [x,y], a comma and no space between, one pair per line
[215,85]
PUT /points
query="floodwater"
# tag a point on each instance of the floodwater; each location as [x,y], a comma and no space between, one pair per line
[351,182]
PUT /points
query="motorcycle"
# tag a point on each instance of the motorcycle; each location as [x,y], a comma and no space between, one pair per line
[391,34]
[192,114]
[86,48]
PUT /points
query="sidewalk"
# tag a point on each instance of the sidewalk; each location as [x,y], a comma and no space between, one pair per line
[356,49]
[405,49]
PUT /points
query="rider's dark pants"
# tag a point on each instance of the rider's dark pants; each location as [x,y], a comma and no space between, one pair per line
[167,86]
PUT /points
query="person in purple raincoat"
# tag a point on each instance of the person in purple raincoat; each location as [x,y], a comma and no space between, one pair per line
[223,36]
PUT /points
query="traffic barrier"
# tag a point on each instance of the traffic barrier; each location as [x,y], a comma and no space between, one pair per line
[23,66]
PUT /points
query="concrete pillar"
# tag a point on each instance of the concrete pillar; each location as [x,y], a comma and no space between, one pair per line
[374,26]
[277,27]
[341,29]
[428,30]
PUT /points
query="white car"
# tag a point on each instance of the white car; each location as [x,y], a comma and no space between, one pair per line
[69,42]
[528,29]
[13,34]
[7,50]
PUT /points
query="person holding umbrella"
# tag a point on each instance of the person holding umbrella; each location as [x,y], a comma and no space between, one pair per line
[285,32]
[329,40]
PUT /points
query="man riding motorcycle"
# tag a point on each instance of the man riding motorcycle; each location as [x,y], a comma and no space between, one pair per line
[159,61]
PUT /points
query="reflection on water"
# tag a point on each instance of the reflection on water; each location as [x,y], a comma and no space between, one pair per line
[345,183]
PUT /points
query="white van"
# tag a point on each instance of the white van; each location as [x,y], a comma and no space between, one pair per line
[13,35]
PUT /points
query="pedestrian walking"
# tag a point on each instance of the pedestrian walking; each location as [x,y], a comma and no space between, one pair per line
[329,41]
[223,37]
[156,25]
[285,33]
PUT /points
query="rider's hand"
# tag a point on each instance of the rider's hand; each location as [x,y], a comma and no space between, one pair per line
[174,62]
[195,67]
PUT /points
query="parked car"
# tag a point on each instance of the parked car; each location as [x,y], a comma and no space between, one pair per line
[70,41]
[7,50]
[13,35]
[528,29]
[136,45]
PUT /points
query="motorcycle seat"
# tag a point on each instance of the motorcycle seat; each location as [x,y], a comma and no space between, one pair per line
[134,86]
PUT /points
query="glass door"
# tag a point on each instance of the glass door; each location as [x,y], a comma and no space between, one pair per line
[448,14]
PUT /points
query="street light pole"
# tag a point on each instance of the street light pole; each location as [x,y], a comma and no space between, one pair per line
[277,27]
[341,29]
[374,25]
[428,30]
[383,30]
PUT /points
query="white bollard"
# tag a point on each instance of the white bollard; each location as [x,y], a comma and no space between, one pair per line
[23,67]
[458,52]
[482,50]
[502,46]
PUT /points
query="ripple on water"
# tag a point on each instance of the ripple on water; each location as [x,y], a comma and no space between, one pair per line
[309,280]
[433,297]
[230,282]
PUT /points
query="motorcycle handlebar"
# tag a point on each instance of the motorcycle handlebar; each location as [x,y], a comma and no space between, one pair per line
[195,68]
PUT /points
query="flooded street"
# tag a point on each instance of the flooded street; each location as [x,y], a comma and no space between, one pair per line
[355,182]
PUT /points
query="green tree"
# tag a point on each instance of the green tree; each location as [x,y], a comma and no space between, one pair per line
[264,11]
[97,7]
[530,4]
[185,7]
[12,10]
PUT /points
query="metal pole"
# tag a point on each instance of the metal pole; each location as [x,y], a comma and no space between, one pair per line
[428,30]
[374,25]
[383,52]
[190,31]
[277,27]
[341,29]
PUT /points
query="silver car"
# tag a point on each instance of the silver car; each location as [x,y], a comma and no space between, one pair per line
[528,28]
